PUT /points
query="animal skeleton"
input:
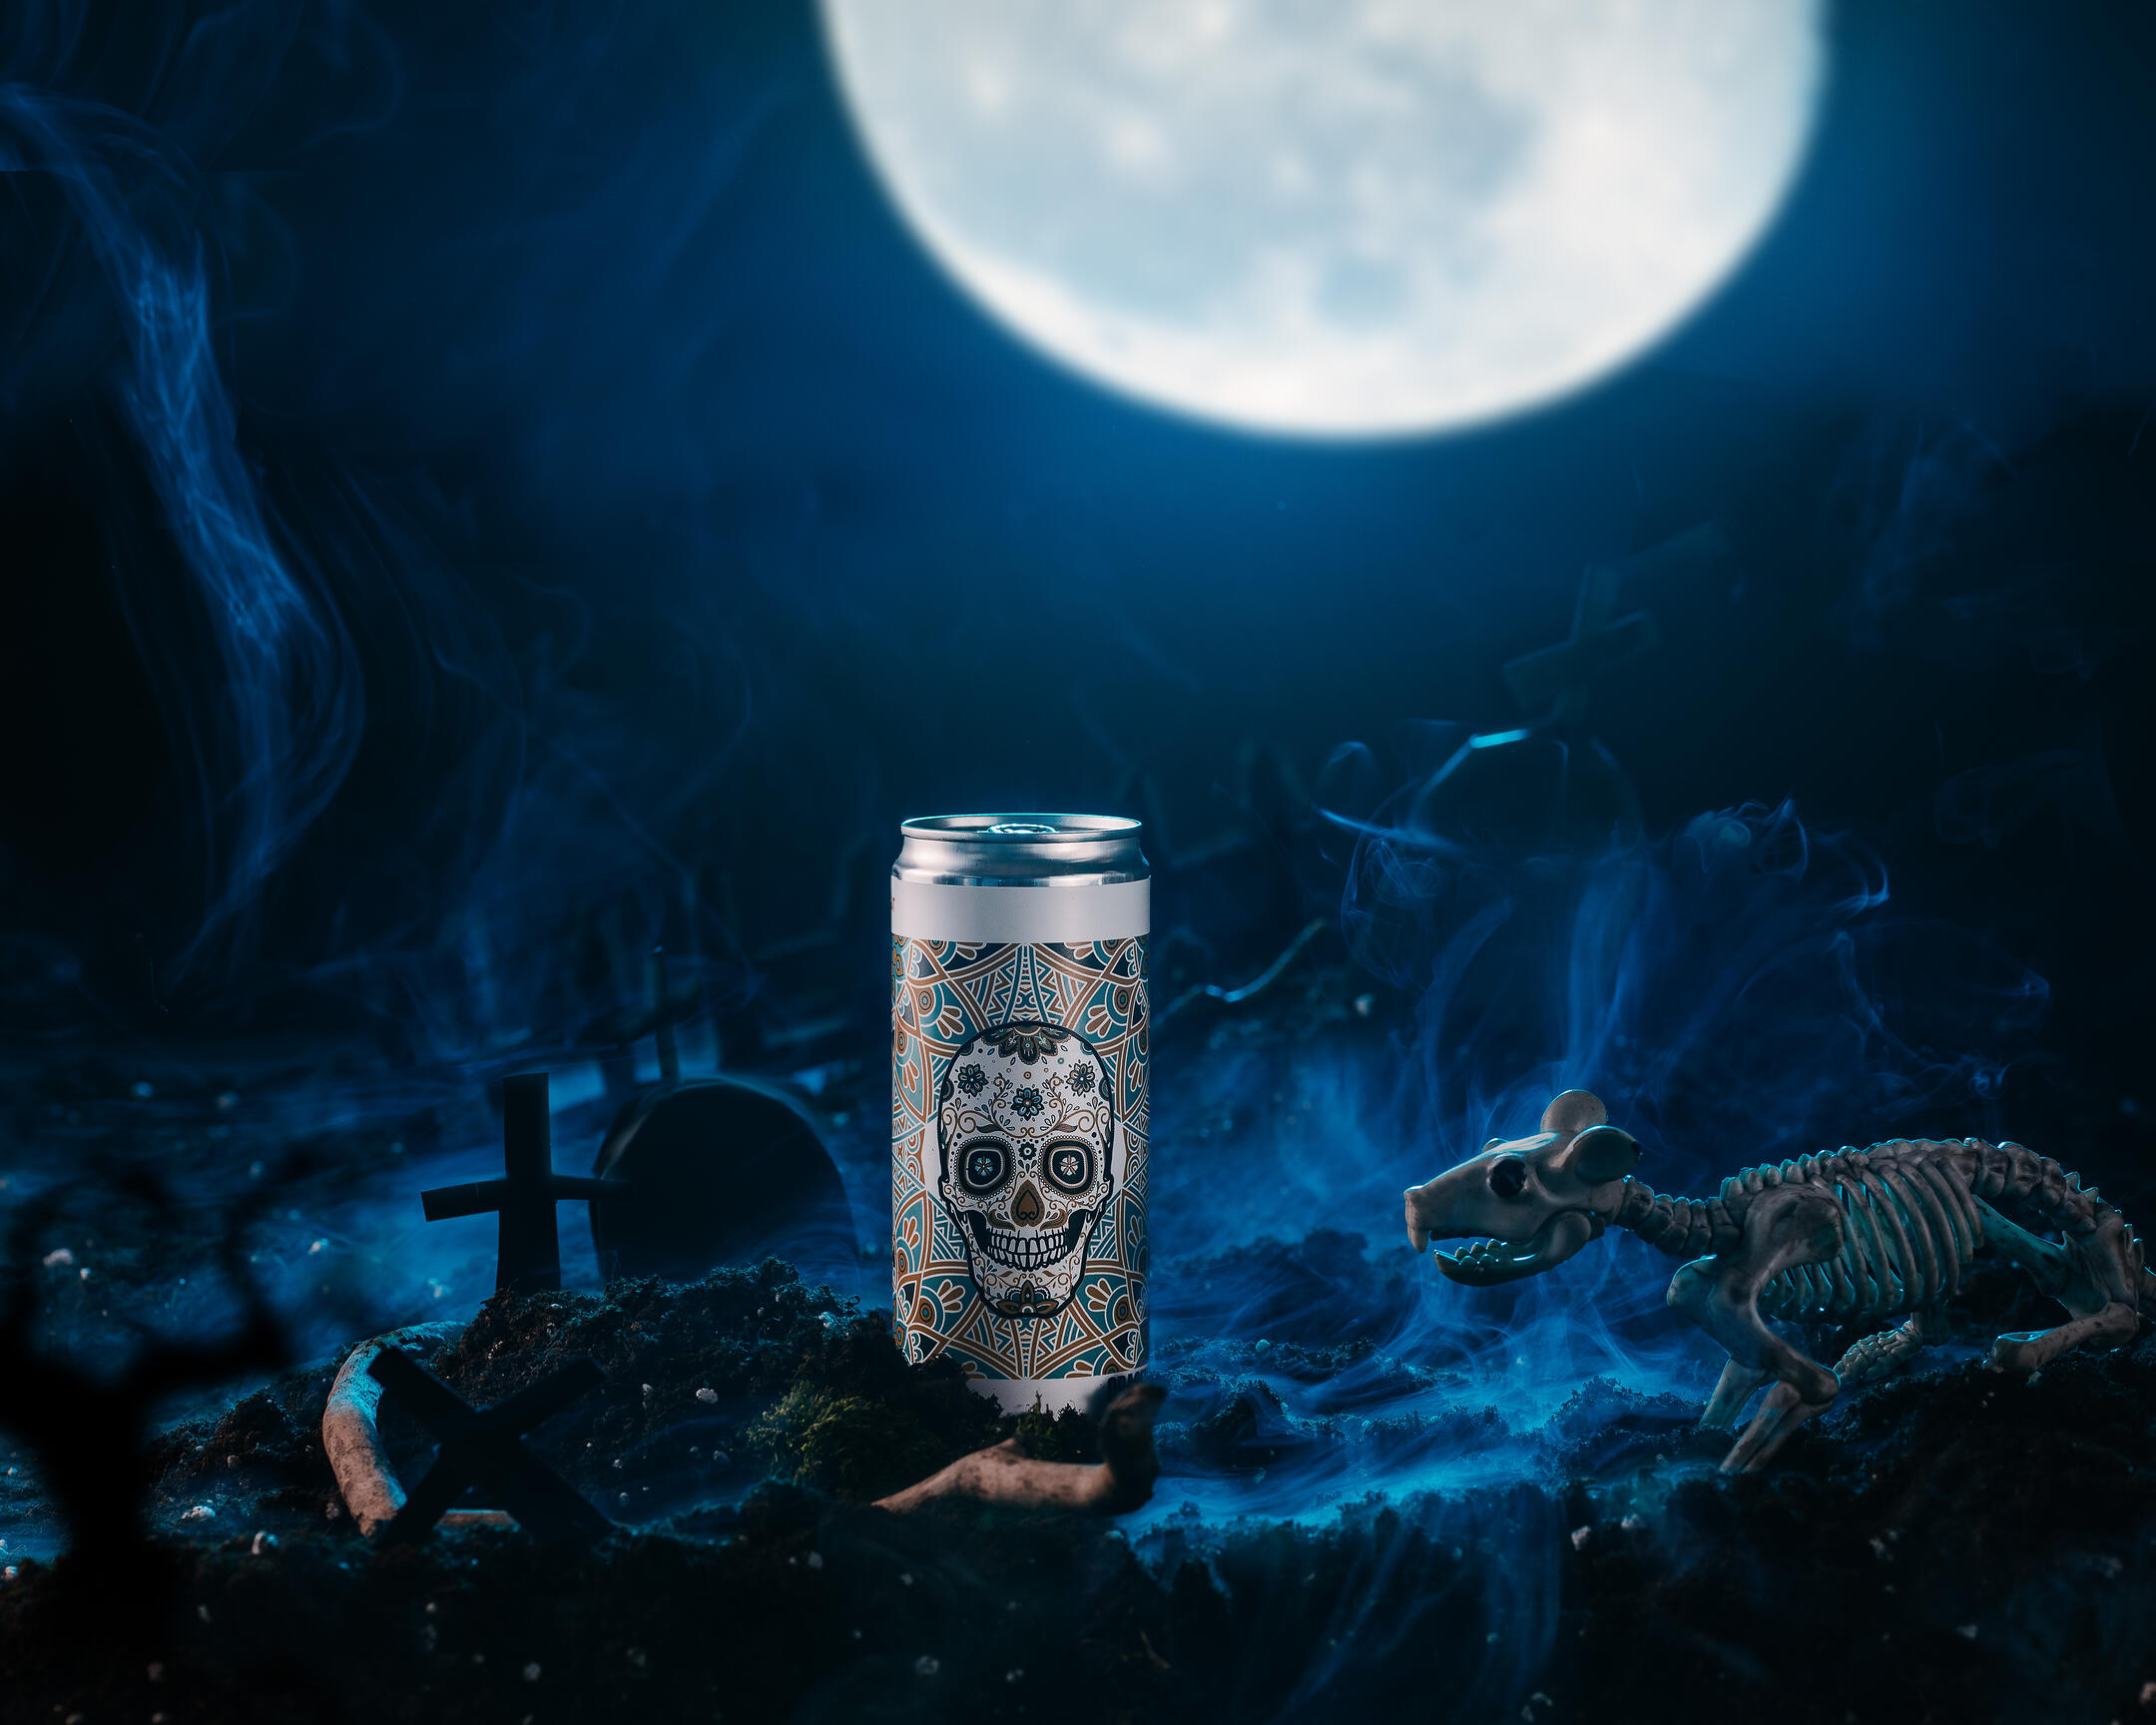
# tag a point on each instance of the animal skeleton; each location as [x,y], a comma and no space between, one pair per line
[1846,1237]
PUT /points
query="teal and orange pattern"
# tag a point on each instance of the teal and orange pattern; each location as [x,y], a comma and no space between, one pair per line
[943,993]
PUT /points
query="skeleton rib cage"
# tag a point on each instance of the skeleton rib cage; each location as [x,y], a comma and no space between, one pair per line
[1915,1214]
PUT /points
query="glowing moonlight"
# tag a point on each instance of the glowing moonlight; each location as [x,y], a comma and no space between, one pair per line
[1336,217]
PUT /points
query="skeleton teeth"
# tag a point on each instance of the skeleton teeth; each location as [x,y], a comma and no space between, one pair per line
[1029,1251]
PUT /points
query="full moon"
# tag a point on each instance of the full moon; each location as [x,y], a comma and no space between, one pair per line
[1334,218]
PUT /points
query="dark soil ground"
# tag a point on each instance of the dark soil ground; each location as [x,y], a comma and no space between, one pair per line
[1952,1546]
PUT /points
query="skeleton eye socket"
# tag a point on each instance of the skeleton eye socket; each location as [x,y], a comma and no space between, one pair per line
[1508,1176]
[983,1166]
[1070,1166]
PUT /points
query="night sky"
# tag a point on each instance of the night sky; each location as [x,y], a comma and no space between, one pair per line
[629,514]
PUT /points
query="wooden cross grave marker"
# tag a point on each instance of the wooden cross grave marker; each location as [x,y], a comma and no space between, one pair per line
[1554,680]
[529,1255]
[484,1446]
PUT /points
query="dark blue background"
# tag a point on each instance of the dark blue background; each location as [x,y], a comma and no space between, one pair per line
[663,528]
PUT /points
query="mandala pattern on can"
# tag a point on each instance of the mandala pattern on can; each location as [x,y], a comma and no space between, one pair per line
[1019,1248]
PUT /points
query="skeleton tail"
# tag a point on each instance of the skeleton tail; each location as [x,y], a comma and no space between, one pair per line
[2057,1199]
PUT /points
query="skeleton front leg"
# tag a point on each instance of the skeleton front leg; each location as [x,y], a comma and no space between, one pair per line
[1783,1226]
[1869,1358]
[1731,1391]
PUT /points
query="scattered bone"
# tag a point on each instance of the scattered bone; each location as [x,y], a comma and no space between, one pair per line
[1004,1473]
[366,1480]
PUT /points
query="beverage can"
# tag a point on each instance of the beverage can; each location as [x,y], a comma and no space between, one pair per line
[1019,1112]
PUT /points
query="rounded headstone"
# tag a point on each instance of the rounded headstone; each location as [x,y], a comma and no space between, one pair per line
[724,1172]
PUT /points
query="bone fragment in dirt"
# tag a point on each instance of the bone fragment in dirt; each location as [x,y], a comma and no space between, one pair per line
[366,1480]
[1004,1473]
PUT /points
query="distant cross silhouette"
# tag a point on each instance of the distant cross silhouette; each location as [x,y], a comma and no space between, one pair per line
[484,1446]
[1554,680]
[529,1255]
[667,1010]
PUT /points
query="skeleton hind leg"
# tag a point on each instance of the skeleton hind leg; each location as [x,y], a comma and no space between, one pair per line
[2098,1320]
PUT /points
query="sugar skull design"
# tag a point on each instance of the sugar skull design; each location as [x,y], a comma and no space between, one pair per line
[1026,1134]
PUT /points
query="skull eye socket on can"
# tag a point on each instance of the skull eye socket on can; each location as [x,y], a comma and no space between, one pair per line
[983,1166]
[1070,1166]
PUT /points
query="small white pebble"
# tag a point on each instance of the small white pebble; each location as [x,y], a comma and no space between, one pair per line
[203,1613]
[317,1245]
[531,1672]
[928,1665]
[616,1463]
[906,1578]
[201,1513]
[1630,1524]
[84,1273]
[647,1389]
[59,1255]
[816,1559]
[706,1394]
[1580,1536]
[1967,1631]
[433,1607]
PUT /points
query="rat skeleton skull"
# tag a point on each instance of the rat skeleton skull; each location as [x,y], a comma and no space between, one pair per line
[1026,1129]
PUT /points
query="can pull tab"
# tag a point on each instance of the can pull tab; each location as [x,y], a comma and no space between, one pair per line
[1020,829]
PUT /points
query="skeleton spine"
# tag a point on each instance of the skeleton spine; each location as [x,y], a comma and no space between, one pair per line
[1682,1227]
[2057,1199]
[2038,1184]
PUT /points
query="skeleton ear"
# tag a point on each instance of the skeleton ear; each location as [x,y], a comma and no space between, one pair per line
[1574,1111]
[1602,1153]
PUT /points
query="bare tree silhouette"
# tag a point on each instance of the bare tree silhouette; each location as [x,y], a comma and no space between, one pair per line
[90,1430]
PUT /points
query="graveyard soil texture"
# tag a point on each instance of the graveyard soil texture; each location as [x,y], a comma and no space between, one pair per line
[1951,1546]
